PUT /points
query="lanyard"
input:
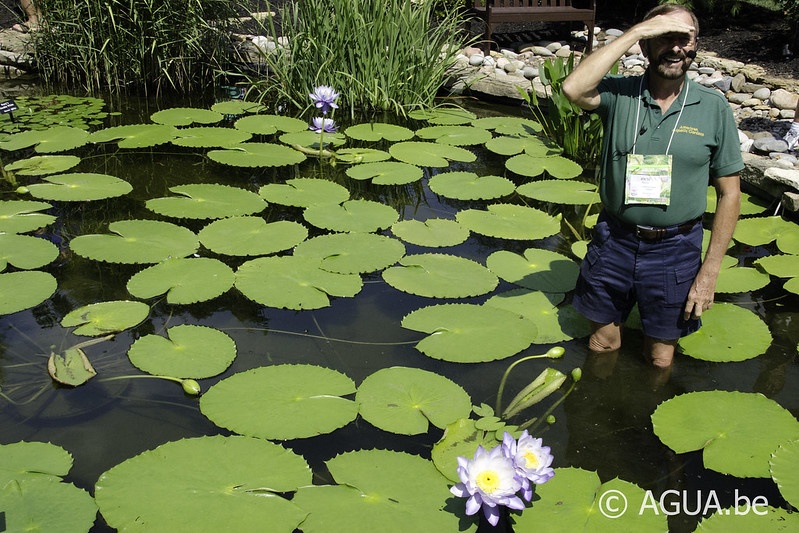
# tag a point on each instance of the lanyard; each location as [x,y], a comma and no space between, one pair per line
[638,114]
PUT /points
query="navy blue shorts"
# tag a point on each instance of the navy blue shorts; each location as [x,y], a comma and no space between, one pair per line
[620,270]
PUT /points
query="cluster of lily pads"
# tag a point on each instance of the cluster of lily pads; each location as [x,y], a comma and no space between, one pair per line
[206,239]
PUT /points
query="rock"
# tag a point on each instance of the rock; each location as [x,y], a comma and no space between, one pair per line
[782,99]
[769,144]
[787,177]
[476,60]
[738,82]
[762,94]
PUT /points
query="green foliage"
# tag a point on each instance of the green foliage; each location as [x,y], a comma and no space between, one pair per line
[578,133]
[721,8]
[136,45]
[379,54]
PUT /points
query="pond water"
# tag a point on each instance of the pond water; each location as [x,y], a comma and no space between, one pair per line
[603,425]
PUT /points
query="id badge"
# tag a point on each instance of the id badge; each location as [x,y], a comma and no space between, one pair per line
[648,179]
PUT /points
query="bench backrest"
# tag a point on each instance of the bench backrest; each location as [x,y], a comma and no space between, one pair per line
[532,4]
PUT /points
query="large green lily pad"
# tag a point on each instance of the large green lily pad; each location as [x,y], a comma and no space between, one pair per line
[237,107]
[242,236]
[137,242]
[508,125]
[25,252]
[378,131]
[539,269]
[406,400]
[740,279]
[293,282]
[386,173]
[509,221]
[427,154]
[204,484]
[577,500]
[210,137]
[33,459]
[361,155]
[381,490]
[269,124]
[468,333]
[720,337]
[188,351]
[207,200]
[440,276]
[455,135]
[351,253]
[554,323]
[745,520]
[469,186]
[252,154]
[785,471]
[736,431]
[23,290]
[184,281]
[281,402]
[22,216]
[186,116]
[80,187]
[556,166]
[353,215]
[444,115]
[781,266]
[106,317]
[39,165]
[136,135]
[572,192]
[433,232]
[304,192]
[51,140]
[758,231]
[519,143]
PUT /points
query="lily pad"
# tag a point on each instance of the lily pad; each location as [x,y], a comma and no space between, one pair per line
[440,276]
[456,135]
[106,317]
[20,460]
[51,140]
[22,216]
[740,279]
[531,166]
[444,115]
[251,236]
[469,186]
[40,165]
[210,137]
[207,200]
[188,352]
[539,269]
[184,281]
[386,173]
[785,471]
[758,231]
[361,155]
[313,140]
[529,144]
[560,192]
[433,232]
[468,333]
[380,490]
[136,242]
[460,439]
[269,124]
[23,290]
[136,135]
[293,282]
[426,154]
[353,215]
[746,520]
[351,253]
[577,500]
[237,107]
[207,483]
[281,402]
[25,252]
[79,187]
[406,400]
[555,324]
[781,266]
[792,285]
[508,125]
[720,338]
[304,192]
[509,221]
[186,116]
[251,154]
[737,431]
[378,131]
[71,368]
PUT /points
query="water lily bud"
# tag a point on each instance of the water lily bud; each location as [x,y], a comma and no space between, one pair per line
[191,387]
[556,352]
[551,419]
[22,190]
[577,373]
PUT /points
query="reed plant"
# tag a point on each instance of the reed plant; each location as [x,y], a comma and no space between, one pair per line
[381,55]
[141,46]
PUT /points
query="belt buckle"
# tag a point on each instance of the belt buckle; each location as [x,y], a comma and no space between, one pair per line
[650,233]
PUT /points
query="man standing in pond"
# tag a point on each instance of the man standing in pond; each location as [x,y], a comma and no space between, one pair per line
[666,138]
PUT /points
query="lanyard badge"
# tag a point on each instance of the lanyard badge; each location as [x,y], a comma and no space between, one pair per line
[648,179]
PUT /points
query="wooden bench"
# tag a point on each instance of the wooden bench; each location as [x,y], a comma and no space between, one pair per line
[496,12]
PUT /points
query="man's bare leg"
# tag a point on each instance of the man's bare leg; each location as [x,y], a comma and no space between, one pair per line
[605,337]
[660,351]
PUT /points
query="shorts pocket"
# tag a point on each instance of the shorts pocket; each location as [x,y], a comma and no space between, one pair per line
[678,283]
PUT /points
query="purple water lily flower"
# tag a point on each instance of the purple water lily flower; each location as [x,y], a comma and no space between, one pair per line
[530,459]
[324,98]
[325,125]
[489,480]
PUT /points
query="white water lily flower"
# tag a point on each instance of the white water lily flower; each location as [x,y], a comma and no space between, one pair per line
[530,459]
[489,480]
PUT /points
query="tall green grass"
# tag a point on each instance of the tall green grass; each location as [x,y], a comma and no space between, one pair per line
[140,46]
[381,55]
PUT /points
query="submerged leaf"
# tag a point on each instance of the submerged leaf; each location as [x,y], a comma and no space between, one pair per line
[70,368]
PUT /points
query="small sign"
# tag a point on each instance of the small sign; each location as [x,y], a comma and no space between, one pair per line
[2,520]
[8,106]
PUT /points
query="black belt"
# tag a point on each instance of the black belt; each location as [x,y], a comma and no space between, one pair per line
[652,233]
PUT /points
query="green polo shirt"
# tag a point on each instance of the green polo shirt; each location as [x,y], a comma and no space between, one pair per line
[705,146]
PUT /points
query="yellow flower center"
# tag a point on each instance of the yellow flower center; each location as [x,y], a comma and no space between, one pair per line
[530,459]
[488,481]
